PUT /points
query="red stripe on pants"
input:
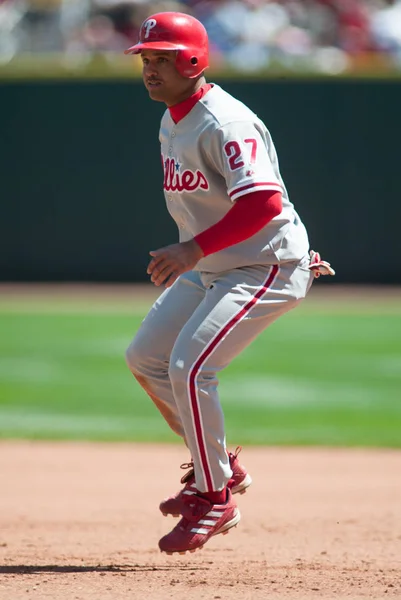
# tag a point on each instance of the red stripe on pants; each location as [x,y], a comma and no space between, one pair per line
[203,358]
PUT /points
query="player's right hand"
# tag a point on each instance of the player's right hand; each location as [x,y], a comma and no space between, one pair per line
[170,262]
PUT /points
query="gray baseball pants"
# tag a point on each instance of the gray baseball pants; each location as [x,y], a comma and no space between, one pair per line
[194,330]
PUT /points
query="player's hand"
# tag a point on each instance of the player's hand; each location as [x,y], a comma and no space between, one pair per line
[170,262]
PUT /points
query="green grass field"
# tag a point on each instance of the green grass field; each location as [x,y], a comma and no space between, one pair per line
[329,373]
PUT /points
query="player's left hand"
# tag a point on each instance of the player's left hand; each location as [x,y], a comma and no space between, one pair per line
[170,262]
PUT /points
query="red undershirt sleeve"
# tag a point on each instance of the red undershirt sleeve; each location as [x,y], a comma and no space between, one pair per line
[249,215]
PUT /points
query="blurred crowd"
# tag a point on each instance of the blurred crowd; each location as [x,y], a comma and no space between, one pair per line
[245,35]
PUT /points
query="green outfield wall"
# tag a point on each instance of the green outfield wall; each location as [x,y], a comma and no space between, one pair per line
[81,183]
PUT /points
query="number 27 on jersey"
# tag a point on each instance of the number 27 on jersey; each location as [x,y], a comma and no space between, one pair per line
[235,155]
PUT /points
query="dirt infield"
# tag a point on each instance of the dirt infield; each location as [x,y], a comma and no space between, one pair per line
[80,521]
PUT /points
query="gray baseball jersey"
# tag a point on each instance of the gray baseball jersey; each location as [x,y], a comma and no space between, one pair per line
[216,154]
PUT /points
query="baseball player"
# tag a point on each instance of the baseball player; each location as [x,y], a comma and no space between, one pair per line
[242,261]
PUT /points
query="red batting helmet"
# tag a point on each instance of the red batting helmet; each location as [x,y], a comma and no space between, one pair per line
[176,31]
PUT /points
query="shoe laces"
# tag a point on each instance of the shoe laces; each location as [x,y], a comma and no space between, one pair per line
[237,451]
[189,465]
[195,507]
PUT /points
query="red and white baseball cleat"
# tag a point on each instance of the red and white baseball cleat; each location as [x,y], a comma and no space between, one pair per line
[200,521]
[238,483]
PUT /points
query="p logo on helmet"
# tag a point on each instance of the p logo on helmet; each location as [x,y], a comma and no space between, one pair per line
[147,26]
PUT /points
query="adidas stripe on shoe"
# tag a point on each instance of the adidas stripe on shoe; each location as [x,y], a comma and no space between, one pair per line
[200,521]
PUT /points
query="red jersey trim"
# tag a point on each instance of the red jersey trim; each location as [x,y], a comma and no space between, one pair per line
[179,111]
[197,366]
[262,185]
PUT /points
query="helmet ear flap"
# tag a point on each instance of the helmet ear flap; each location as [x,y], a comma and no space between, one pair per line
[190,63]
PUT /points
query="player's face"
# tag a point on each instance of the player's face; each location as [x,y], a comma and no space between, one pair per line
[162,80]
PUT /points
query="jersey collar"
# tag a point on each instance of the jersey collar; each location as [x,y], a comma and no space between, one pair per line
[179,111]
